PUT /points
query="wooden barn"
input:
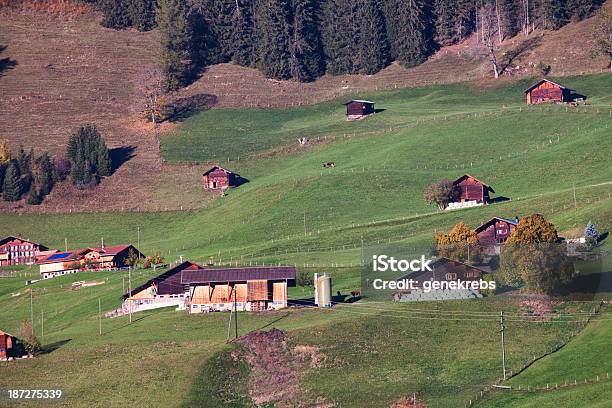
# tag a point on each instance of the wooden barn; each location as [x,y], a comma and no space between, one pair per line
[358,109]
[18,251]
[496,231]
[162,291]
[11,347]
[546,91]
[443,270]
[217,178]
[252,288]
[471,189]
[101,258]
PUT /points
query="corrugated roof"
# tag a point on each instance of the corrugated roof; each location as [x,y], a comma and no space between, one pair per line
[542,81]
[359,100]
[209,275]
[485,224]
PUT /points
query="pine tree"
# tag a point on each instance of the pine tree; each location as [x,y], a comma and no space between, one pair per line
[306,60]
[411,40]
[445,13]
[174,23]
[116,14]
[88,155]
[340,33]
[24,161]
[550,14]
[12,187]
[46,174]
[104,165]
[464,21]
[34,198]
[581,9]
[273,25]
[243,34]
[373,47]
[142,14]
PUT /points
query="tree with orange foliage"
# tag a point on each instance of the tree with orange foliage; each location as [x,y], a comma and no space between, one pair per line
[459,244]
[534,258]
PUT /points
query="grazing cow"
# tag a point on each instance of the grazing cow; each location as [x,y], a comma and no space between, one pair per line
[355,293]
[329,165]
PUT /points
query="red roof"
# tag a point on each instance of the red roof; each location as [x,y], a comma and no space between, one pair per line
[541,81]
[216,169]
[110,250]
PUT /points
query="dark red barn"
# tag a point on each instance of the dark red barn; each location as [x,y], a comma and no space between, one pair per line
[496,231]
[359,108]
[217,178]
[472,189]
[10,346]
[545,91]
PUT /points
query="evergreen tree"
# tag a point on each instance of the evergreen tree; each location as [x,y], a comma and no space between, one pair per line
[412,40]
[373,47]
[510,16]
[591,235]
[550,14]
[104,165]
[46,174]
[34,198]
[464,21]
[274,38]
[12,187]
[340,33]
[24,161]
[175,30]
[306,50]
[243,34]
[581,9]
[445,13]
[142,14]
[116,13]
[89,156]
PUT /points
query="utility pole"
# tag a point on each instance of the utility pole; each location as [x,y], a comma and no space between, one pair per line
[229,325]
[130,291]
[503,345]
[66,244]
[32,311]
[123,284]
[100,316]
[138,242]
[305,233]
[235,312]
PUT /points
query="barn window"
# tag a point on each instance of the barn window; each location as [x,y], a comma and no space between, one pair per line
[451,276]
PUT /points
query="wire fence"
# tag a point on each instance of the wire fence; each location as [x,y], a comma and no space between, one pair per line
[498,384]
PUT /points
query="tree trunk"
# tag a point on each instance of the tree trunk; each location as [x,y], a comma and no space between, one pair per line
[500,33]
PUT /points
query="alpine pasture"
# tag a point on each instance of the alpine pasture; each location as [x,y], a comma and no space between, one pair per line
[552,160]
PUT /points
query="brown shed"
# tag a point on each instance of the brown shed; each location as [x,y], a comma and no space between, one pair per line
[217,178]
[546,91]
[358,108]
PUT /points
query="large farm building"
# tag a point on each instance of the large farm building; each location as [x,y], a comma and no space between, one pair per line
[102,258]
[15,251]
[199,289]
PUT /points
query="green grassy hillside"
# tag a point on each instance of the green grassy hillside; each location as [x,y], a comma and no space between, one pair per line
[546,159]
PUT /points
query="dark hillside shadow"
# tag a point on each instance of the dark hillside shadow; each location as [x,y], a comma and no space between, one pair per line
[6,63]
[238,180]
[120,155]
[379,110]
[188,106]
[575,96]
[499,199]
[520,50]
[50,348]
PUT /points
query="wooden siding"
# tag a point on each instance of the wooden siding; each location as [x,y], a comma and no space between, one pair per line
[545,92]
[257,290]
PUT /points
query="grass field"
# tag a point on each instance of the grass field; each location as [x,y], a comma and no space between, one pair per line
[585,358]
[546,159]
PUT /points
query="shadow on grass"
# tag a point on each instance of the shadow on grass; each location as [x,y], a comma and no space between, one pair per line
[50,348]
[188,106]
